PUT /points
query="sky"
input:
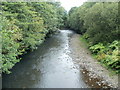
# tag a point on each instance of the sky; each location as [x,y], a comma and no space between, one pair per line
[68,4]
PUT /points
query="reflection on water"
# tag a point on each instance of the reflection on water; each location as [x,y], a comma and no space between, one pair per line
[50,66]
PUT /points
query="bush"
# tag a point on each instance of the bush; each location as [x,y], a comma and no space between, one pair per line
[97,48]
[10,35]
[25,26]
[108,55]
[98,23]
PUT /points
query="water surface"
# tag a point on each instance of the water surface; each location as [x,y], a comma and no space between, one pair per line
[50,66]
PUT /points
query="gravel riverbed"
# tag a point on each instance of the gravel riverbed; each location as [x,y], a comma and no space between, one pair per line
[93,72]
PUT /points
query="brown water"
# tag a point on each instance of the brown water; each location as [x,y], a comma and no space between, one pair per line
[50,66]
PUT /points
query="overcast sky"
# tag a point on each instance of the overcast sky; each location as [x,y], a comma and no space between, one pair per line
[68,4]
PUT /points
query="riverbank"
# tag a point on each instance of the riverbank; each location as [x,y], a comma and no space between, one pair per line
[49,66]
[82,56]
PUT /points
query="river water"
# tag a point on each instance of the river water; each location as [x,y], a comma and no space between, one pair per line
[50,66]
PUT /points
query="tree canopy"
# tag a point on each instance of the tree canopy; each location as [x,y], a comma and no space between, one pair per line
[99,25]
[25,25]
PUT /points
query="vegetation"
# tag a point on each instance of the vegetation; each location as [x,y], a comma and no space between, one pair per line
[25,25]
[98,23]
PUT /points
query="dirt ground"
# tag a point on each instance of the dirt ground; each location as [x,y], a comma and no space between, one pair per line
[93,69]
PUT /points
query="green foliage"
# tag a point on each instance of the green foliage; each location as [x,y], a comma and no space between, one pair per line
[101,22]
[97,48]
[108,55]
[25,26]
[73,20]
[98,22]
[76,17]
[52,13]
[114,45]
[10,35]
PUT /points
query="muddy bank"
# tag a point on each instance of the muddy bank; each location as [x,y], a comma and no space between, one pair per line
[93,73]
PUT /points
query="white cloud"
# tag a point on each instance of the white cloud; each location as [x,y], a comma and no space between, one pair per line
[68,4]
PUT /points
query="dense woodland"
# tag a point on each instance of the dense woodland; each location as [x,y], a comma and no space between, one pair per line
[98,23]
[26,25]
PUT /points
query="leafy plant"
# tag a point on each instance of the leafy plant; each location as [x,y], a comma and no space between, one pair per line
[97,48]
[25,25]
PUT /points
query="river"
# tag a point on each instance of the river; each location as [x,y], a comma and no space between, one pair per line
[50,66]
